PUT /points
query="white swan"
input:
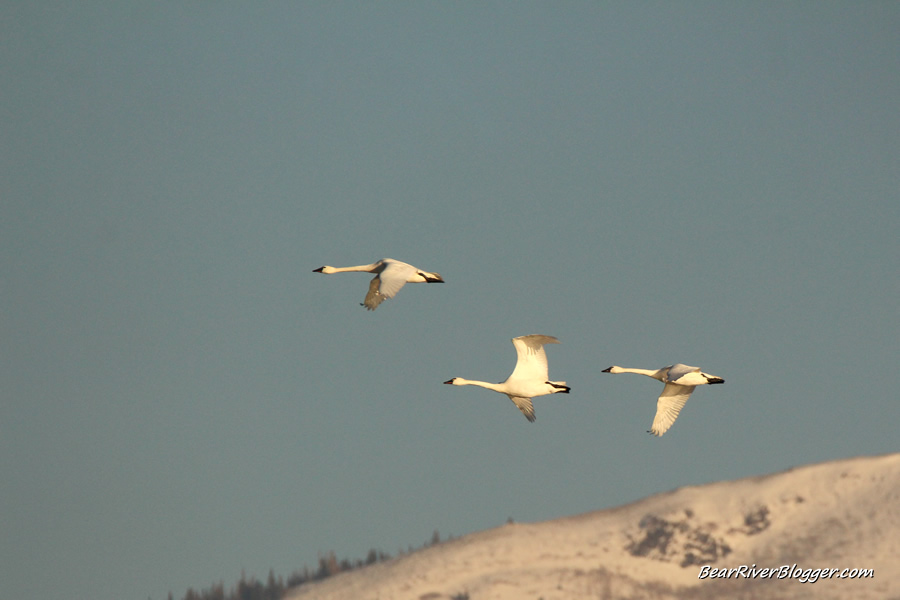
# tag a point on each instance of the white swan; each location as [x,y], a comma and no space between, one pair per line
[680,381]
[391,276]
[528,379]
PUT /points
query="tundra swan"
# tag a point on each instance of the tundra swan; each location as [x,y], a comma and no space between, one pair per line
[391,275]
[680,381]
[528,379]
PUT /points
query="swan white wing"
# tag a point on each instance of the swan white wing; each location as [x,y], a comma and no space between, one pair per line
[394,276]
[532,361]
[677,371]
[374,297]
[525,406]
[670,403]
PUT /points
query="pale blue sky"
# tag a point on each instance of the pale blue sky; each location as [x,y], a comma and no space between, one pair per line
[183,399]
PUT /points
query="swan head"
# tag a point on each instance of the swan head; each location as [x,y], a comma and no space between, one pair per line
[326,269]
[614,369]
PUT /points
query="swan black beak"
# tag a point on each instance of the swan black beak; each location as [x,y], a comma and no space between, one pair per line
[319,270]
[450,381]
[606,370]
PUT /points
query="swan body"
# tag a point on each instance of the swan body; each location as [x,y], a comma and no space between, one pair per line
[680,381]
[528,379]
[391,275]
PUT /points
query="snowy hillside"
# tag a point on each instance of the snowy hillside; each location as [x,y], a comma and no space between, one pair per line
[837,515]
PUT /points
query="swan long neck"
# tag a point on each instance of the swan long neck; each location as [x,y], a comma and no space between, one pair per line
[358,268]
[484,384]
[654,373]
[647,372]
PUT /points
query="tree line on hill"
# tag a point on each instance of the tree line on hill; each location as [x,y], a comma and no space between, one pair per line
[275,587]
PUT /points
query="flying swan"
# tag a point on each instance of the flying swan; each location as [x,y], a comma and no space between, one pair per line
[391,275]
[528,379]
[680,381]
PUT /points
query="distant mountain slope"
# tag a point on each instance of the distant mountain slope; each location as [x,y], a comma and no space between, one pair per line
[837,515]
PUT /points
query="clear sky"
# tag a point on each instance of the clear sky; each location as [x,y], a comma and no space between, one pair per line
[183,398]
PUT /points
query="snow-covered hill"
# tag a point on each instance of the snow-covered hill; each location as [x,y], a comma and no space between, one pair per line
[837,515]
